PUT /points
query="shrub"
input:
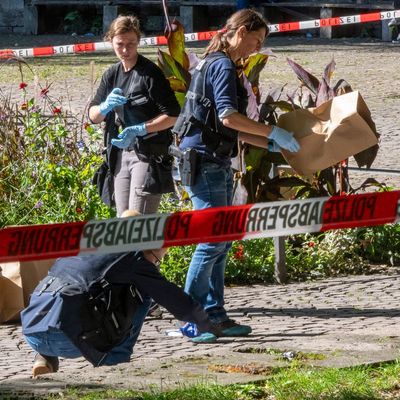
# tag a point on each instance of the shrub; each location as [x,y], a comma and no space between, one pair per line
[47,161]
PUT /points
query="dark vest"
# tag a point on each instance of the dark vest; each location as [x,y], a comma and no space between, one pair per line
[200,112]
[91,305]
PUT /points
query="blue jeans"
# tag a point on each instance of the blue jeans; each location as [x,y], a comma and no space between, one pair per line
[205,279]
[54,342]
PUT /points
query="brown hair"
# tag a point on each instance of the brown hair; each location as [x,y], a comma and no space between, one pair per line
[251,19]
[123,24]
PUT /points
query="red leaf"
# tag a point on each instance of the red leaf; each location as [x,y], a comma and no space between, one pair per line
[305,77]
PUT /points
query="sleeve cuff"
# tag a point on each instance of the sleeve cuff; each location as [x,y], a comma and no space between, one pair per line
[226,113]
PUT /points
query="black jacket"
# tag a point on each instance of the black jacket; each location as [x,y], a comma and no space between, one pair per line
[60,304]
[145,81]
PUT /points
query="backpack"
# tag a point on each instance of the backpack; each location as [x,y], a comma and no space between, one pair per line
[98,318]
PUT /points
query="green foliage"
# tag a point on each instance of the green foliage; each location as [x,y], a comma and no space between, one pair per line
[293,383]
[332,253]
[345,251]
[380,244]
[47,161]
[197,392]
[250,261]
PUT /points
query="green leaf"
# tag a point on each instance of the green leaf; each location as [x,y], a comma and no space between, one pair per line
[253,157]
[172,69]
[176,44]
[253,66]
[285,105]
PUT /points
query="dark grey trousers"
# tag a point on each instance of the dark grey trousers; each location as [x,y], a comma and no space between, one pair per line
[129,180]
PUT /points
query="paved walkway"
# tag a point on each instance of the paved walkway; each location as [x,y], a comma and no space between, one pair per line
[350,320]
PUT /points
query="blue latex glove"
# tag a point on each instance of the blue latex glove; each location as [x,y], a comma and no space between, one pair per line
[273,147]
[127,137]
[113,100]
[284,139]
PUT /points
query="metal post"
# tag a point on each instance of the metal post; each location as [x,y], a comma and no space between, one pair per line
[326,32]
[280,271]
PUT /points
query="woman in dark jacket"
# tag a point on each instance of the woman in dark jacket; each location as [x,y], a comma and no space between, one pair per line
[136,90]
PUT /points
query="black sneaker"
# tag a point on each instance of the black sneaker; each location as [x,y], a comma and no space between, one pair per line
[231,328]
[44,365]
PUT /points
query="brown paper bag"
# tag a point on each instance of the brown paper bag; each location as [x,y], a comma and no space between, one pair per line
[329,133]
[11,294]
[17,281]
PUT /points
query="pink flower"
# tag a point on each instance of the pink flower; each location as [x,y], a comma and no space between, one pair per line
[23,85]
[311,244]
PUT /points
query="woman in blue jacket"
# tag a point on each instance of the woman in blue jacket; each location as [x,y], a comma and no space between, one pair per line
[213,113]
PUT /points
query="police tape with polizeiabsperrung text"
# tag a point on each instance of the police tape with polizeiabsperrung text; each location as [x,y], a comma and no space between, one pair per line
[219,224]
[200,36]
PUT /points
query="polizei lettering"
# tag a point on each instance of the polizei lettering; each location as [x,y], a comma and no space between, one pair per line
[349,208]
[119,232]
[285,215]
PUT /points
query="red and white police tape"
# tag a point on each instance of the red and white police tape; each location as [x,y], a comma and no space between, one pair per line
[199,36]
[219,224]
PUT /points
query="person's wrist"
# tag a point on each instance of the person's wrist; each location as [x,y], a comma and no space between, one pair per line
[104,109]
[144,129]
[273,132]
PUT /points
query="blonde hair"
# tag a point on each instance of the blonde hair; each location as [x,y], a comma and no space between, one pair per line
[130,213]
[123,24]
[251,19]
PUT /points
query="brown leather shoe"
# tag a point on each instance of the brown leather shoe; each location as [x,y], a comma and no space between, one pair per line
[44,365]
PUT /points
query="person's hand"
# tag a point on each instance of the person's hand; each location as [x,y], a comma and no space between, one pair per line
[273,147]
[284,139]
[127,137]
[113,100]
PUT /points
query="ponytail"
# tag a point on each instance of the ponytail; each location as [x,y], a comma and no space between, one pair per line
[217,43]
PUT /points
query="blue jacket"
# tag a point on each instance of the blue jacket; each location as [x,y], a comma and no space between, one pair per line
[215,92]
[59,304]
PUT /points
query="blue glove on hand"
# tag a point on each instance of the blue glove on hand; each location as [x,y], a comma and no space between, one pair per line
[273,147]
[113,100]
[127,137]
[284,139]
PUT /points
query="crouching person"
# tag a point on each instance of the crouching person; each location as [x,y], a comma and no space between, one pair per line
[94,306]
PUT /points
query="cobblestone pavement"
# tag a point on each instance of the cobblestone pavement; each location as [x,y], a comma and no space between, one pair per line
[350,320]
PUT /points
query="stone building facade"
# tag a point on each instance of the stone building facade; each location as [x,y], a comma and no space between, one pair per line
[35,16]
